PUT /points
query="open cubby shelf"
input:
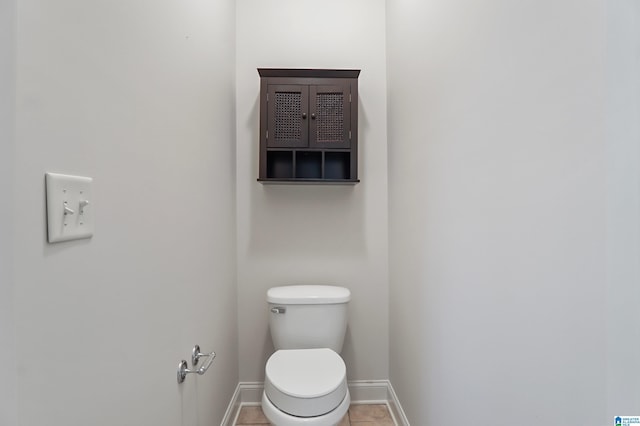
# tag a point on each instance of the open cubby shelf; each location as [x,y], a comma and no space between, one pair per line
[308,165]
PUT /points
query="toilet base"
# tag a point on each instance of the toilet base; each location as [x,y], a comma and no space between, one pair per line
[280,418]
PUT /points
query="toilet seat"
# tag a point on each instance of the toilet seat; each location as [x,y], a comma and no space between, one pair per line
[305,382]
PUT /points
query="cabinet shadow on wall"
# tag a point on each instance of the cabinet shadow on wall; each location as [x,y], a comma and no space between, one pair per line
[307,220]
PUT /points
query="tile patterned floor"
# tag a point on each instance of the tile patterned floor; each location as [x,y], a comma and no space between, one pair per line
[358,415]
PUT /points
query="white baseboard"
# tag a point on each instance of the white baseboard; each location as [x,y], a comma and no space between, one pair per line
[233,409]
[395,408]
[361,391]
[368,391]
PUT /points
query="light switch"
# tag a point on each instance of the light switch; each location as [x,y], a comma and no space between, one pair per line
[69,207]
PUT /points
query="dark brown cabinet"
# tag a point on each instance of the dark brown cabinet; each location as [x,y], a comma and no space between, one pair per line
[308,126]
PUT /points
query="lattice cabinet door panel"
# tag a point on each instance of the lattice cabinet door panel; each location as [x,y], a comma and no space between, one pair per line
[330,124]
[288,108]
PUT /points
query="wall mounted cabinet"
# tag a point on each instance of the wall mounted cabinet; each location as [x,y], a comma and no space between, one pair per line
[308,126]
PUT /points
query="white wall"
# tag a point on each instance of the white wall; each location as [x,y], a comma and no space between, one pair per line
[623,207]
[7,124]
[497,211]
[139,95]
[313,234]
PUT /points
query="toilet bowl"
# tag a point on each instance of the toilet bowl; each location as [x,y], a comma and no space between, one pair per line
[305,387]
[280,418]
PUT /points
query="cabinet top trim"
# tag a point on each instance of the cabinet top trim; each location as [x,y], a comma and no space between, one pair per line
[307,72]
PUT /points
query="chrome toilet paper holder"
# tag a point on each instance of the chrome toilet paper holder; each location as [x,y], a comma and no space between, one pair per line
[183,368]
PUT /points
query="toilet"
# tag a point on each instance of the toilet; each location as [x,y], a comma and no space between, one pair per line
[305,378]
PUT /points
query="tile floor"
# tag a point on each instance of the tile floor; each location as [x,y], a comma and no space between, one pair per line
[358,415]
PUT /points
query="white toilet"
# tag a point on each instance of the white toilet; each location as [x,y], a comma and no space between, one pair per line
[305,379]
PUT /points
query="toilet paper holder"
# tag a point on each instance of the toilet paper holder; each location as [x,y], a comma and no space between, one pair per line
[183,368]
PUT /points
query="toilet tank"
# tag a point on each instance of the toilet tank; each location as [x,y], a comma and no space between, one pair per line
[308,316]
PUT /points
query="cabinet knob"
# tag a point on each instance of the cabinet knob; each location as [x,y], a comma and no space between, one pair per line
[304,115]
[313,116]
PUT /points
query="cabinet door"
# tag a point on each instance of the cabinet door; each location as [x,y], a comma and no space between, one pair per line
[287,123]
[330,108]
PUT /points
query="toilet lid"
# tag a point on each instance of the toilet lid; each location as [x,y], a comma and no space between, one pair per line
[305,382]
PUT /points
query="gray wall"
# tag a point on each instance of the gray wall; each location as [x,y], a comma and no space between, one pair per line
[623,207]
[139,95]
[497,178]
[314,234]
[7,103]
[514,194]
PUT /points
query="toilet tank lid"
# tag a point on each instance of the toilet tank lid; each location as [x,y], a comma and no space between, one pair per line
[308,294]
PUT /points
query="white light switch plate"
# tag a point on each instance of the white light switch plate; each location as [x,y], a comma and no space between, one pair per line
[70,194]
